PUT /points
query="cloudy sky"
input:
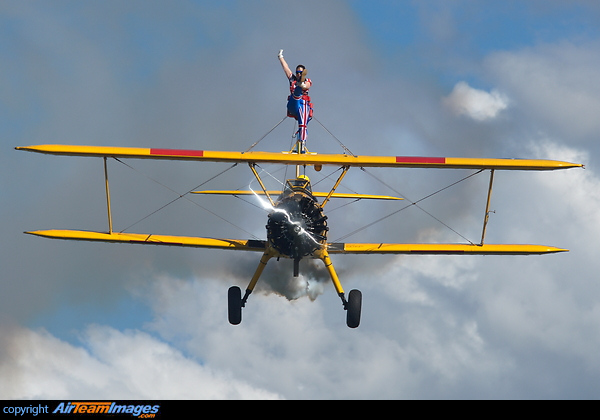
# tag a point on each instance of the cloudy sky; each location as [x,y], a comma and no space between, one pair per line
[434,78]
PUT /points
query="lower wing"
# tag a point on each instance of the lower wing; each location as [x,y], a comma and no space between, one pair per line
[333,248]
[441,249]
[146,239]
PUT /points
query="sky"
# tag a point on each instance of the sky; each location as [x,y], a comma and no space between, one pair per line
[515,79]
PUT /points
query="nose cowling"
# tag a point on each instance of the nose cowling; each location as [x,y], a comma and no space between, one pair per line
[297,226]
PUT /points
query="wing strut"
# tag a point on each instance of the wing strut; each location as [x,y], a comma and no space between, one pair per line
[487,207]
[110,226]
[252,166]
[337,184]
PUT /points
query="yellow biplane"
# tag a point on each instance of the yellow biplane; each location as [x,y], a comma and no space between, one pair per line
[297,225]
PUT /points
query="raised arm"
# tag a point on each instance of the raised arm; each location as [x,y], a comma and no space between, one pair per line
[284,65]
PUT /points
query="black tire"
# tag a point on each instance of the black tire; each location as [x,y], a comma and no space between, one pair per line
[354,308]
[234,297]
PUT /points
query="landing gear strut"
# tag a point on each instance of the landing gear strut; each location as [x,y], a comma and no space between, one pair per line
[354,303]
[234,296]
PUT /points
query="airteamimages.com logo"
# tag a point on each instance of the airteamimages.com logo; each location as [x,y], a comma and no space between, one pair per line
[142,411]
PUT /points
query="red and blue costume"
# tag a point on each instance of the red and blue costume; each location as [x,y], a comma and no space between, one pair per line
[299,105]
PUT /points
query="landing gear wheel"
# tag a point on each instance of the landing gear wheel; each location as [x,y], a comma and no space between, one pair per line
[235,305]
[353,309]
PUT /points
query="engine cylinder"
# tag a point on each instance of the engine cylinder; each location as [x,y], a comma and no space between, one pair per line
[297,226]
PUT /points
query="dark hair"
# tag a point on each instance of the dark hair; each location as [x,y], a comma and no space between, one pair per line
[301,65]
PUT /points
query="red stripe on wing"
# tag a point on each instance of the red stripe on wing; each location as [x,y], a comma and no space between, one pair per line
[417,159]
[177,152]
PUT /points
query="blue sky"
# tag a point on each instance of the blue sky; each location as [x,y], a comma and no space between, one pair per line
[470,30]
[462,78]
[397,25]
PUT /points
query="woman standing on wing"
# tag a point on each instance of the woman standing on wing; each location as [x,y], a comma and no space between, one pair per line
[299,105]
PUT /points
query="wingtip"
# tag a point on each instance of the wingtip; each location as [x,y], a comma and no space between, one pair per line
[555,250]
[41,233]
[27,148]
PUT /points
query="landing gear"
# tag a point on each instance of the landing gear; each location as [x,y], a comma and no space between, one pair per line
[353,308]
[235,300]
[353,305]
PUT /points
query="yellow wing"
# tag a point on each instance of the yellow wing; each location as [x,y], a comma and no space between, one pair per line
[333,248]
[314,193]
[146,239]
[441,249]
[288,158]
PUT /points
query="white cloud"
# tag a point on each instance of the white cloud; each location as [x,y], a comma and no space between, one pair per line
[474,103]
[303,349]
[547,303]
[110,364]
[554,86]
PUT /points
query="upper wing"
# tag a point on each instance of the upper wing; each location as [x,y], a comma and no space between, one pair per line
[302,159]
[136,238]
[314,193]
[441,249]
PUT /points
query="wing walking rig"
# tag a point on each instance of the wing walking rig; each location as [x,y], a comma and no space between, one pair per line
[297,225]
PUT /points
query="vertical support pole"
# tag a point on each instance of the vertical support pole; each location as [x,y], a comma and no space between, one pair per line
[299,147]
[110,227]
[487,207]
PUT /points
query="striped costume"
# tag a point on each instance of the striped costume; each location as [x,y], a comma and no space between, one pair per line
[299,107]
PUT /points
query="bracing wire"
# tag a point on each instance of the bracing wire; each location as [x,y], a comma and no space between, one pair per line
[180,196]
[412,203]
[267,133]
[335,138]
[184,195]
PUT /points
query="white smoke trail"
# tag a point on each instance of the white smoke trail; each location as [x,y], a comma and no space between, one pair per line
[275,276]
